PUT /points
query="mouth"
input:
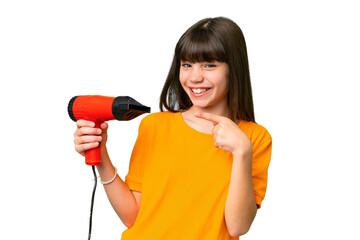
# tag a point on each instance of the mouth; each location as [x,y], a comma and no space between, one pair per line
[198,92]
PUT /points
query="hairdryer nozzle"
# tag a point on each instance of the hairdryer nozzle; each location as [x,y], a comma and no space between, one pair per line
[126,108]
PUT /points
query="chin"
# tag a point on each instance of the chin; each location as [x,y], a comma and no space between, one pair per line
[201,104]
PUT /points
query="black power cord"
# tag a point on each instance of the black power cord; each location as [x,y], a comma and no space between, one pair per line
[92,201]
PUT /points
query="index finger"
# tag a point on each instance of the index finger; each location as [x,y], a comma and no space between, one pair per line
[84,123]
[215,119]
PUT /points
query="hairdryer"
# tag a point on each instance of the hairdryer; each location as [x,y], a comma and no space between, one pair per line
[99,109]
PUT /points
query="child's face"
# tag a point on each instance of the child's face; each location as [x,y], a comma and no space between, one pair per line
[206,83]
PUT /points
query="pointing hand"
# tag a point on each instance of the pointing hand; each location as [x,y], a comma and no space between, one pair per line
[227,135]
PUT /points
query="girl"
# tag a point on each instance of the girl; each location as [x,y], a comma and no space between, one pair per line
[198,170]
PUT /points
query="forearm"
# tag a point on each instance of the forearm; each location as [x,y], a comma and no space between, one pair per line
[240,208]
[118,193]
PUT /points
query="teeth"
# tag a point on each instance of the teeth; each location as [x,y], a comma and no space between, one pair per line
[199,90]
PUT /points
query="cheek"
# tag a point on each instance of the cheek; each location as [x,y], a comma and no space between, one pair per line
[223,84]
[224,91]
[182,78]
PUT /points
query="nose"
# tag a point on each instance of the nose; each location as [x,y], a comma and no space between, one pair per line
[196,75]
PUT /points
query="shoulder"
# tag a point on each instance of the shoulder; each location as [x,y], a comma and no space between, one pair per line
[256,132]
[157,118]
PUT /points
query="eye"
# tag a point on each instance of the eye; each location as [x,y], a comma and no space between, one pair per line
[210,65]
[185,65]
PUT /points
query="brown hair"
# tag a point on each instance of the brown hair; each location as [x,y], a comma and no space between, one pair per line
[212,39]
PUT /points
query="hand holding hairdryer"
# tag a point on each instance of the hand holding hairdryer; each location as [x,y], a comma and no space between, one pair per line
[99,109]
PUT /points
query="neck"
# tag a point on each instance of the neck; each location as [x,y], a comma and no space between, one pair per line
[216,111]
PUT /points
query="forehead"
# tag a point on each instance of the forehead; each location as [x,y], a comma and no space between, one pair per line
[201,47]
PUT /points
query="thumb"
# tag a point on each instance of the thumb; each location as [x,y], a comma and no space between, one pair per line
[104,126]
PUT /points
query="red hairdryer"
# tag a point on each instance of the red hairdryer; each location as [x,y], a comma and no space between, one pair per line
[99,109]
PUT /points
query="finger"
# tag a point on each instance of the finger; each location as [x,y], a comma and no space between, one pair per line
[84,123]
[87,146]
[216,129]
[215,119]
[87,131]
[217,138]
[104,126]
[87,139]
[220,143]
[217,143]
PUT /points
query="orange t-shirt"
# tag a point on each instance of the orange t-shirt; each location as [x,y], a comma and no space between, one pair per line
[184,179]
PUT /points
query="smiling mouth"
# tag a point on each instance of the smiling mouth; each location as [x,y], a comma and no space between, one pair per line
[199,90]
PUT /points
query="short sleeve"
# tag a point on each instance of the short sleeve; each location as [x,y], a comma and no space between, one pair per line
[134,178]
[261,160]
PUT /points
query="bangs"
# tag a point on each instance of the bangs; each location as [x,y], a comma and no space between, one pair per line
[200,46]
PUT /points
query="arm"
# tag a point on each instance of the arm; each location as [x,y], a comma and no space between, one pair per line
[125,202]
[240,208]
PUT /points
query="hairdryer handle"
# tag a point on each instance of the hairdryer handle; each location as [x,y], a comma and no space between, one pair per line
[93,156]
